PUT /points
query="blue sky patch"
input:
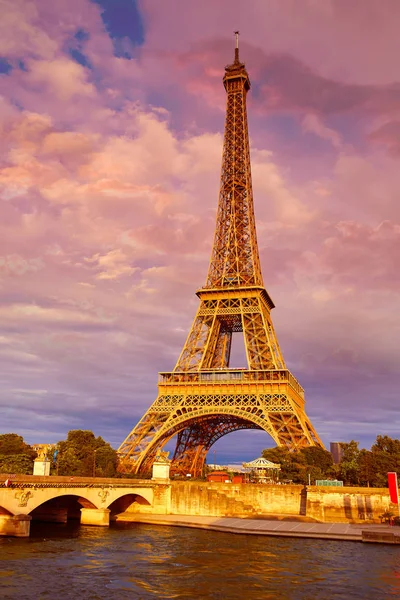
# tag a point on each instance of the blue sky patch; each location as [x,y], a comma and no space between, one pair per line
[124,24]
[5,66]
[79,57]
[82,35]
[75,47]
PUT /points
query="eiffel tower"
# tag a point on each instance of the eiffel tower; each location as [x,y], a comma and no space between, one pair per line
[203,399]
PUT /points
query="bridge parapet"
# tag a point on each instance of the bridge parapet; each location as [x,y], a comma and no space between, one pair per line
[67,481]
[31,495]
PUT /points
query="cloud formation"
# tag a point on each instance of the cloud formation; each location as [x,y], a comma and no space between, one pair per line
[109,176]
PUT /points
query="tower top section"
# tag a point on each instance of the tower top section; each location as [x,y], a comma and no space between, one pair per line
[236,71]
[234,260]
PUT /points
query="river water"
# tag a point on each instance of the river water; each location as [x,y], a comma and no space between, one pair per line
[137,561]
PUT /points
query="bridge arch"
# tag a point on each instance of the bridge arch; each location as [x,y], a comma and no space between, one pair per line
[37,499]
[4,511]
[61,508]
[128,502]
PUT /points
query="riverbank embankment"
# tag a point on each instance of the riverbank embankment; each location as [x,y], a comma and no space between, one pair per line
[355,532]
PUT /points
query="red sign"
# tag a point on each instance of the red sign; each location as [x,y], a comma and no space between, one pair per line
[393,489]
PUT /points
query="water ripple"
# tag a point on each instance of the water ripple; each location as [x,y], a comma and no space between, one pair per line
[144,562]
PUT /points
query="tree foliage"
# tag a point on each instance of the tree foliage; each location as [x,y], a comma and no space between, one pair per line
[15,455]
[385,453]
[13,444]
[82,454]
[16,464]
[357,467]
[370,467]
[349,463]
[298,466]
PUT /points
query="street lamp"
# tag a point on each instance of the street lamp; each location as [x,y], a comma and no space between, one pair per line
[94,462]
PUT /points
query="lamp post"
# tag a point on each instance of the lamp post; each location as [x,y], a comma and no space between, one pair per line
[55,460]
[94,462]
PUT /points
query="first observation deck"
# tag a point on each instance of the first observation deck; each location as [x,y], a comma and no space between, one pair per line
[231,376]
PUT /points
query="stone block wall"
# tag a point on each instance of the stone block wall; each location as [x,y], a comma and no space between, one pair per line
[223,499]
[325,504]
[348,504]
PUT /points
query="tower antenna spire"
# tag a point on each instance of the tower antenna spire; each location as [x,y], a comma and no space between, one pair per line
[236,46]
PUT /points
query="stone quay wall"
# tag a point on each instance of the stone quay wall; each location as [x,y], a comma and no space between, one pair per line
[222,499]
[325,504]
[348,504]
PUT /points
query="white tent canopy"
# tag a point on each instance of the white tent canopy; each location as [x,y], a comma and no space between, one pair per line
[261,463]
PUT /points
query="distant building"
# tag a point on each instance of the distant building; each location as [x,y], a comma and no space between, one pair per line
[238,479]
[336,451]
[218,476]
[235,468]
[214,467]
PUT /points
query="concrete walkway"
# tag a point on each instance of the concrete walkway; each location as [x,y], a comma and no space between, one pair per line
[328,531]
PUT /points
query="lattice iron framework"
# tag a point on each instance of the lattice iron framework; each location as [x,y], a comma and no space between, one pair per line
[203,399]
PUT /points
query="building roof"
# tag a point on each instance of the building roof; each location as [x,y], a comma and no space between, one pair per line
[261,463]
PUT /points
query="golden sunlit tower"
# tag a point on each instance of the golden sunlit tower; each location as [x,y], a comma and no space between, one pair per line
[203,399]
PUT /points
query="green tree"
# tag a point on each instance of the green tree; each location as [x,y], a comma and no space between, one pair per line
[385,458]
[83,454]
[15,455]
[106,461]
[349,463]
[12,443]
[367,475]
[387,445]
[293,466]
[319,463]
[298,466]
[357,467]
[320,458]
[20,464]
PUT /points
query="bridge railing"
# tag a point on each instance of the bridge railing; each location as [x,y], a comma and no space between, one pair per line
[67,481]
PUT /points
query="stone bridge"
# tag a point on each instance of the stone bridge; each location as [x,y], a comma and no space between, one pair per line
[97,501]
[92,500]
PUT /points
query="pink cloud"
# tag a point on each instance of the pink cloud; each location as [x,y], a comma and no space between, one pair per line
[364,256]
[356,43]
[109,180]
[285,83]
[14,264]
[62,78]
[388,135]
[314,124]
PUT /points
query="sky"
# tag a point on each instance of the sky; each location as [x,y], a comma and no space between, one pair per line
[111,122]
